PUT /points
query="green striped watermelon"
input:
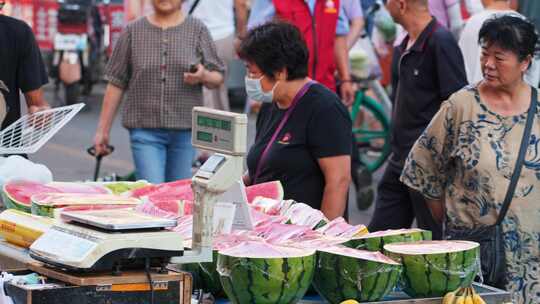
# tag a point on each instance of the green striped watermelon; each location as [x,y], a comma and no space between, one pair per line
[17,194]
[433,268]
[344,273]
[375,241]
[258,272]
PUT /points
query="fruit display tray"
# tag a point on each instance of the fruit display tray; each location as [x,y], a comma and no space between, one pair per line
[490,294]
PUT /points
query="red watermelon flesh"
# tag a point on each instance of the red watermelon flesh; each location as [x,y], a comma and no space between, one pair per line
[161,188]
[22,191]
[273,190]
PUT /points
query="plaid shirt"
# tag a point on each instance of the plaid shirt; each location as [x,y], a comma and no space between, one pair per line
[149,63]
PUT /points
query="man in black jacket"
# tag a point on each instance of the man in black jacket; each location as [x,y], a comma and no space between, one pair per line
[427,68]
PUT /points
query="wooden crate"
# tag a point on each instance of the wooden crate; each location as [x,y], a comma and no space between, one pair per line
[131,287]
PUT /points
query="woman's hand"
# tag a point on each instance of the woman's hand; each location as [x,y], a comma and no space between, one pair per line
[210,79]
[196,77]
[111,102]
[101,143]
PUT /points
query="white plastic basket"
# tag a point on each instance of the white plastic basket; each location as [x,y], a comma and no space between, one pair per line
[28,134]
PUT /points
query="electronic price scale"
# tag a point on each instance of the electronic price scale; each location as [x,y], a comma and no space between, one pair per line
[103,240]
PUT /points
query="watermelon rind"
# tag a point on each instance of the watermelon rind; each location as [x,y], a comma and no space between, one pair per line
[375,241]
[11,203]
[266,280]
[340,276]
[434,268]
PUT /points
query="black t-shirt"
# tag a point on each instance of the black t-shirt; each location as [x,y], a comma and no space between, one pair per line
[21,65]
[423,77]
[319,127]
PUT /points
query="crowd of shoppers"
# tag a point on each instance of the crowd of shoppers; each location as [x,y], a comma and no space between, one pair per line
[459,109]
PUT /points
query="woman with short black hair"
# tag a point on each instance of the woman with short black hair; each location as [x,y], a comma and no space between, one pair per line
[465,160]
[304,132]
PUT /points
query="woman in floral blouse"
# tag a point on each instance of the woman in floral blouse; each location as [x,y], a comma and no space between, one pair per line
[464,160]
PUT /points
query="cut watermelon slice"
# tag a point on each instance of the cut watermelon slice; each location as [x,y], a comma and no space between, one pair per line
[17,194]
[273,190]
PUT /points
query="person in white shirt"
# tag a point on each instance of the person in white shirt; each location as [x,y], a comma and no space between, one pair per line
[219,17]
[470,47]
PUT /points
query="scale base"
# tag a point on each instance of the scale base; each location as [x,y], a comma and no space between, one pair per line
[117,261]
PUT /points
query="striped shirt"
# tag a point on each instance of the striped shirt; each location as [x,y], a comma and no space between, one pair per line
[149,63]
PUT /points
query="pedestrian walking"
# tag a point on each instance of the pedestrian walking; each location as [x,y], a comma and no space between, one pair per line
[466,160]
[21,70]
[160,63]
[427,68]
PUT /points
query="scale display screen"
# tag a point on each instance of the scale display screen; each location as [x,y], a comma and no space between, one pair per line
[205,121]
[219,131]
[204,136]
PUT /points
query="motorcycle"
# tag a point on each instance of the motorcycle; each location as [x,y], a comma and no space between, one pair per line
[78,52]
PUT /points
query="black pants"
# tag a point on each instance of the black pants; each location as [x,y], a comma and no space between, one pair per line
[397,205]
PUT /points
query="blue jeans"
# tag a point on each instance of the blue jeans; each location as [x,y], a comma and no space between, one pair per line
[162,155]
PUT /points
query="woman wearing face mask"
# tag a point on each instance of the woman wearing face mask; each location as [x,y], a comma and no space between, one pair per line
[466,158]
[161,62]
[303,133]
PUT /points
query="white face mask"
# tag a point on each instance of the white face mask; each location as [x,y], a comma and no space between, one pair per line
[255,91]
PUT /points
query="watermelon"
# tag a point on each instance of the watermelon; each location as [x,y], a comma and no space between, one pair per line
[180,186]
[344,273]
[48,204]
[433,268]
[123,187]
[165,208]
[375,241]
[338,227]
[304,215]
[84,188]
[258,272]
[273,190]
[17,194]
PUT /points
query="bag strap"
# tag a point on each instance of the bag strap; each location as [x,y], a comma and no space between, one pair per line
[193,7]
[282,123]
[520,160]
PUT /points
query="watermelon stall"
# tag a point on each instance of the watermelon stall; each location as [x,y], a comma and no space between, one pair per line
[293,254]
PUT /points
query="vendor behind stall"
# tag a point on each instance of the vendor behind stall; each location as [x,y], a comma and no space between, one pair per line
[465,159]
[303,135]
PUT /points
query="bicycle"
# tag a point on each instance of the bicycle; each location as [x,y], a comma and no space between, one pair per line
[372,136]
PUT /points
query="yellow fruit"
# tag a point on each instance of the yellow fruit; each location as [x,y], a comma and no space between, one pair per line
[478,300]
[350,302]
[449,298]
[460,300]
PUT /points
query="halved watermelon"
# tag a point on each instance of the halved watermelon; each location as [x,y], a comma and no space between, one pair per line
[83,188]
[258,272]
[176,187]
[48,204]
[273,190]
[17,194]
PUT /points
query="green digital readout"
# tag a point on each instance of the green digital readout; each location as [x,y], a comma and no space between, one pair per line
[204,121]
[204,136]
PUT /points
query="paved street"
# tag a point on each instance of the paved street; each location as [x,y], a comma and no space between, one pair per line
[65,154]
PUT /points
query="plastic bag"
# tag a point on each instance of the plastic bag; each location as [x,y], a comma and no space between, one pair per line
[364,60]
[19,168]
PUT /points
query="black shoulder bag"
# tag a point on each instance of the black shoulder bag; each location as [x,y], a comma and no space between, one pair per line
[193,7]
[490,238]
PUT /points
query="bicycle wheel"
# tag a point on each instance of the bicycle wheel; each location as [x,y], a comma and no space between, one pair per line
[371,129]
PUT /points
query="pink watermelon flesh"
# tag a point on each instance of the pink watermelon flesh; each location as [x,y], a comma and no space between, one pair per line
[263,250]
[78,188]
[149,190]
[22,191]
[273,190]
[171,208]
[374,256]
[340,228]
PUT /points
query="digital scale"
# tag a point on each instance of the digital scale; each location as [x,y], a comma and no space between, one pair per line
[102,240]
